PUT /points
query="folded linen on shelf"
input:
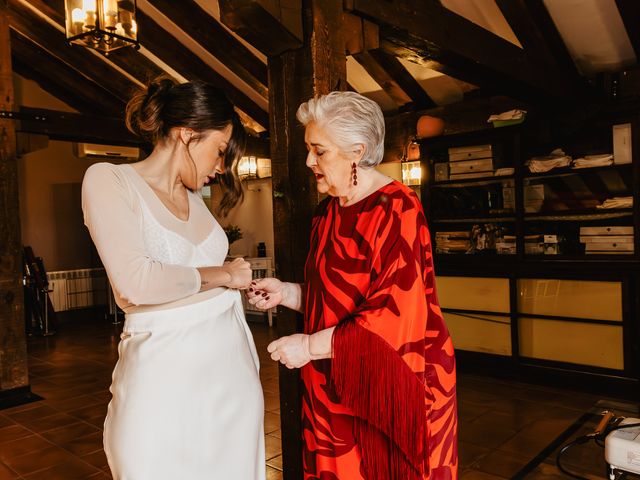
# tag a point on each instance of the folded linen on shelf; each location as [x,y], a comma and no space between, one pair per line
[590,161]
[500,172]
[555,159]
[617,202]
[515,114]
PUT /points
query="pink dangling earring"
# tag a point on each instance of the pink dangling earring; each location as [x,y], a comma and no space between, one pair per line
[354,173]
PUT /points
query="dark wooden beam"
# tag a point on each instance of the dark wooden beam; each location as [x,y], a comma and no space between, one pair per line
[254,23]
[129,59]
[429,34]
[533,40]
[14,374]
[57,78]
[169,49]
[205,30]
[75,127]
[360,35]
[294,77]
[419,98]
[630,13]
[382,78]
[30,25]
[541,17]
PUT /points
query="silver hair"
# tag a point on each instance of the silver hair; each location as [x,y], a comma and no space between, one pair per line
[351,119]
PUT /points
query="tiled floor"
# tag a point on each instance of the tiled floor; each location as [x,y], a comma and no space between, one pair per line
[503,425]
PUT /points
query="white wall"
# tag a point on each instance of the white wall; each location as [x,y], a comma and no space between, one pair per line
[393,170]
[49,183]
[254,216]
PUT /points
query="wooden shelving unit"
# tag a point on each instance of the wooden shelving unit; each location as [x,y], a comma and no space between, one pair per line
[534,352]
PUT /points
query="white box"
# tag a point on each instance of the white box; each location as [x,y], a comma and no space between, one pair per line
[441,172]
[472,166]
[466,176]
[456,157]
[606,231]
[508,198]
[469,148]
[622,143]
[606,239]
[622,447]
[609,247]
[533,198]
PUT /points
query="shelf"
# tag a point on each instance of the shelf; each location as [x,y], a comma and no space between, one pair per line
[581,257]
[576,216]
[563,172]
[485,219]
[471,182]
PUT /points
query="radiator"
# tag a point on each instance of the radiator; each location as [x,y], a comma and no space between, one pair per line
[77,288]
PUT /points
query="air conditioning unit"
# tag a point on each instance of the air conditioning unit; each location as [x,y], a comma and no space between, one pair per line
[94,150]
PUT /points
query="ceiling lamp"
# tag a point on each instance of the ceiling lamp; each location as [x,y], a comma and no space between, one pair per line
[105,25]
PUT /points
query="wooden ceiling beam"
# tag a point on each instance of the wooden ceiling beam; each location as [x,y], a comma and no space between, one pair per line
[517,16]
[549,35]
[129,59]
[250,20]
[630,13]
[401,76]
[429,34]
[383,78]
[30,25]
[76,127]
[169,49]
[57,78]
[216,40]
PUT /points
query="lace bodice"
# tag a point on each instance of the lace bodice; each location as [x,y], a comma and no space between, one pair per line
[168,246]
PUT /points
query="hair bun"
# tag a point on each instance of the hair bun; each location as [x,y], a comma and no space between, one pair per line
[144,110]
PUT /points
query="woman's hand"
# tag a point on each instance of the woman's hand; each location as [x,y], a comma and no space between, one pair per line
[266,293]
[239,271]
[292,351]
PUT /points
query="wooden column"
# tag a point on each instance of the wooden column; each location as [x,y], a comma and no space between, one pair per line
[14,378]
[318,67]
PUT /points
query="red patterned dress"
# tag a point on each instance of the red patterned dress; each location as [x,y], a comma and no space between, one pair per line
[384,407]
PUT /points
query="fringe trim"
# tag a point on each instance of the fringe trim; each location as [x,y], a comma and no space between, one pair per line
[388,400]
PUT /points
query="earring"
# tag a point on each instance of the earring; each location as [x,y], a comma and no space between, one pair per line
[354,173]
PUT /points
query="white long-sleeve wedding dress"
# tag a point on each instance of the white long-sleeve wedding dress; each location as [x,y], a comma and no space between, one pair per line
[187,400]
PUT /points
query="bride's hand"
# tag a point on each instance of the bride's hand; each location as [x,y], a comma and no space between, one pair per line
[266,293]
[239,271]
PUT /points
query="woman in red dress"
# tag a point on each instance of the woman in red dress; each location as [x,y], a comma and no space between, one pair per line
[378,367]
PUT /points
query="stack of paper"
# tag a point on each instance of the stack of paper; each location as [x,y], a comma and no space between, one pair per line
[452,242]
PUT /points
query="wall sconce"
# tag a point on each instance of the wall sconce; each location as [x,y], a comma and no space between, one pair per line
[105,25]
[411,173]
[247,168]
[252,167]
[264,167]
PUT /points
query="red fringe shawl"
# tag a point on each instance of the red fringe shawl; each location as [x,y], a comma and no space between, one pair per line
[388,401]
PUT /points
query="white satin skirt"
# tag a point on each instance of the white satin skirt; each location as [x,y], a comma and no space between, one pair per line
[187,400]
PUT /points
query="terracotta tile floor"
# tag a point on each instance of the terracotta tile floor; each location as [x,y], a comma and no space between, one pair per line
[503,425]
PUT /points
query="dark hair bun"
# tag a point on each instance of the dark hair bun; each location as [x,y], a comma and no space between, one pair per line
[144,110]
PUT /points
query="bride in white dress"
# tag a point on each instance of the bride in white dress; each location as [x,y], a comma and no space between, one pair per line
[187,401]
